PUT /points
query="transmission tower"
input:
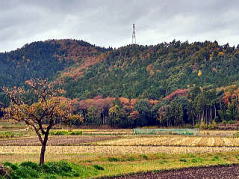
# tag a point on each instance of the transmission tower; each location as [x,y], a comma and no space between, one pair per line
[133,35]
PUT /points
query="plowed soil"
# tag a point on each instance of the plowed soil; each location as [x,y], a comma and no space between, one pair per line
[55,140]
[214,172]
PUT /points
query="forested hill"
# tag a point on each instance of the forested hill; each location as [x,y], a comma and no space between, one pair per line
[43,60]
[153,72]
[133,71]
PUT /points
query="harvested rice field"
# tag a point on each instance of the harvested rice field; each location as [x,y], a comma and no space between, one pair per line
[173,141]
[113,149]
[120,151]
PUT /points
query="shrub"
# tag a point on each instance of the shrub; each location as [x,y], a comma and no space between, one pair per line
[203,125]
[113,159]
[59,168]
[8,134]
[183,160]
[50,170]
[25,172]
[58,133]
[130,159]
[196,160]
[30,165]
[212,125]
[231,122]
[145,157]
[66,133]
[76,133]
[98,167]
[215,158]
[12,166]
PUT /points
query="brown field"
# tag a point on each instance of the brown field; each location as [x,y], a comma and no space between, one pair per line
[54,140]
[193,172]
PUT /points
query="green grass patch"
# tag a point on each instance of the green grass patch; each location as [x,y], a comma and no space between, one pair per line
[63,132]
[99,165]
[197,160]
[118,165]
[9,134]
[123,159]
[216,158]
[51,170]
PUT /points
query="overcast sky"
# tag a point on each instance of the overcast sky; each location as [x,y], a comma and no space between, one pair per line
[109,22]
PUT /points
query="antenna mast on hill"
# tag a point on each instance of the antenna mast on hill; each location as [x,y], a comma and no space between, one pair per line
[133,35]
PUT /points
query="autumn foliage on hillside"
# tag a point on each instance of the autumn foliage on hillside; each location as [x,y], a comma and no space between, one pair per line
[100,102]
[78,70]
[155,71]
[45,60]
[177,93]
[75,50]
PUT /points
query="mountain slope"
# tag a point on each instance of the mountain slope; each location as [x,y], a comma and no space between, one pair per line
[155,71]
[133,71]
[43,60]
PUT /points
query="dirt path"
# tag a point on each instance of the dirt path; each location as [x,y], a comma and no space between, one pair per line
[214,172]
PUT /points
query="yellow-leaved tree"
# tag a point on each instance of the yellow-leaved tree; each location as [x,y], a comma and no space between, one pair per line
[45,109]
[199,73]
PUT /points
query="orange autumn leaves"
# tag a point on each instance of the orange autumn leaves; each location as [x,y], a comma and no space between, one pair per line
[231,94]
[49,107]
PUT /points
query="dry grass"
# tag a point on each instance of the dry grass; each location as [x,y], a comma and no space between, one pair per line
[220,133]
[112,149]
[172,141]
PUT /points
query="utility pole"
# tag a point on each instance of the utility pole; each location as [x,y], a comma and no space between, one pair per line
[133,35]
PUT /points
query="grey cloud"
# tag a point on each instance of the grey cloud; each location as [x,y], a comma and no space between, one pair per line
[109,22]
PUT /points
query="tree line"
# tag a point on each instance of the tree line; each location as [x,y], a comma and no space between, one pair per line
[195,107]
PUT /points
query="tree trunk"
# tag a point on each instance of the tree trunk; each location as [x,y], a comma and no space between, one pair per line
[210,114]
[43,148]
[42,155]
[215,112]
[202,116]
[206,118]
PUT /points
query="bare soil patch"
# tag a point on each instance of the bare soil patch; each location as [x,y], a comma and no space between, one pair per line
[215,172]
[55,140]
